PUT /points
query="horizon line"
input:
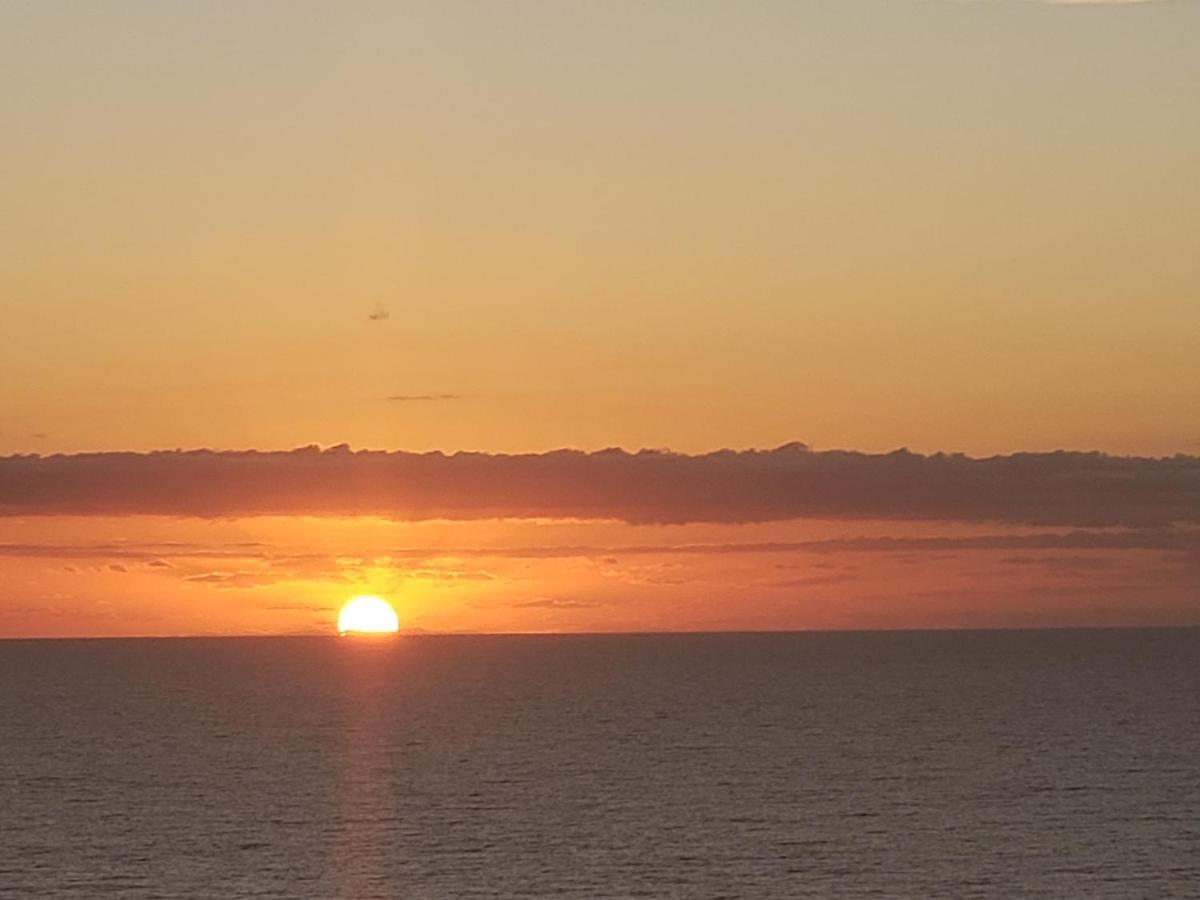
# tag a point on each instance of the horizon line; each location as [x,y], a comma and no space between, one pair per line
[637,633]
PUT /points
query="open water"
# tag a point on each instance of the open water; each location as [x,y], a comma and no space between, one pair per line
[953,764]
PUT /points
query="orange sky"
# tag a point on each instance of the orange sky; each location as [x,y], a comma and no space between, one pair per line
[288,575]
[524,226]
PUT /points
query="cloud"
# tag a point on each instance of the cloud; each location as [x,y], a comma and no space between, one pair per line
[233,579]
[1065,565]
[449,575]
[651,486]
[555,603]
[814,581]
[1182,542]
[410,398]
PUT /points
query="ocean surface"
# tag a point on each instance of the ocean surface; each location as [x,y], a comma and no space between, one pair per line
[959,765]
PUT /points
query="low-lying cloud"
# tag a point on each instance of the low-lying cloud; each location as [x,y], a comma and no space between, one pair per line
[1184,543]
[790,482]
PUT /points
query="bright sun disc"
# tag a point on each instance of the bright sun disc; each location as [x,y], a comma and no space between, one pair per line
[367,615]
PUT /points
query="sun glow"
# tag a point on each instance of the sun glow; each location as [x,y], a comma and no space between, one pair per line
[367,615]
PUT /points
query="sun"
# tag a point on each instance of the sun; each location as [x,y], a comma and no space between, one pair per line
[367,615]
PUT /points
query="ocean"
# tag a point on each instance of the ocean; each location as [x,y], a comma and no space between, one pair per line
[1057,764]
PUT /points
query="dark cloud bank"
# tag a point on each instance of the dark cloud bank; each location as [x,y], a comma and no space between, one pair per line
[1061,488]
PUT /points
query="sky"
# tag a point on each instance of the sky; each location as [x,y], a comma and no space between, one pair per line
[497,231]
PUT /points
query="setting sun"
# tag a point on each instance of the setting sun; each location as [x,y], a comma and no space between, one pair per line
[367,615]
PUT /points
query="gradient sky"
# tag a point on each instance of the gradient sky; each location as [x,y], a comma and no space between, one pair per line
[514,227]
[958,226]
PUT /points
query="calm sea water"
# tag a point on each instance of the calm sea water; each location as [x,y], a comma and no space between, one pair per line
[1019,764]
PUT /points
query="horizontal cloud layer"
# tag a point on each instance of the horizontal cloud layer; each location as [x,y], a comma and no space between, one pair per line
[1061,488]
[1183,543]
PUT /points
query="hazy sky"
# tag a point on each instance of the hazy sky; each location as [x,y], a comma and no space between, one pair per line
[511,227]
[964,226]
